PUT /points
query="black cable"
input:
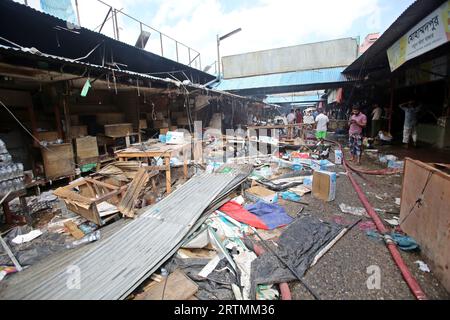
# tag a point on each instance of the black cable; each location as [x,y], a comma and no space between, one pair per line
[419,200]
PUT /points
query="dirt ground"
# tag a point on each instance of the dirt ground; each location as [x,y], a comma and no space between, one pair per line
[342,273]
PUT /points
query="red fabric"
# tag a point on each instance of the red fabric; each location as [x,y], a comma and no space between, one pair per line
[237,212]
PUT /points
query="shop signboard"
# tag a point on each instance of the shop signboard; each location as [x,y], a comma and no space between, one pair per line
[430,33]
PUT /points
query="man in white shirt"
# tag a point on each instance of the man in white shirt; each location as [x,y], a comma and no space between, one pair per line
[376,120]
[291,117]
[321,125]
[291,121]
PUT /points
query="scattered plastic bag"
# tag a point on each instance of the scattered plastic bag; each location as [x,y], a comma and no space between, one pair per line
[87,239]
[27,237]
[423,266]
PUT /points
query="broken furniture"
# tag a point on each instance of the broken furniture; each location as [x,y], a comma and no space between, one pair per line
[158,150]
[12,218]
[84,196]
[425,213]
[137,186]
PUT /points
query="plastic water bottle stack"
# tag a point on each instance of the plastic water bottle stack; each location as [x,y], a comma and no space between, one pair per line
[11,174]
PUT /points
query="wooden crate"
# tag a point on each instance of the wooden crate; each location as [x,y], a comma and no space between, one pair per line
[58,161]
[159,124]
[77,132]
[143,124]
[118,130]
[428,223]
[86,148]
[183,121]
[74,120]
[47,136]
[110,118]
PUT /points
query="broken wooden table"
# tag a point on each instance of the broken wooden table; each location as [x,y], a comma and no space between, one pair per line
[11,218]
[158,150]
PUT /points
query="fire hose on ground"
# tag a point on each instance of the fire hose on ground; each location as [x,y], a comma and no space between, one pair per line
[391,245]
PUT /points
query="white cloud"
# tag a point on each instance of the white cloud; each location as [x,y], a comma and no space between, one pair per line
[266,24]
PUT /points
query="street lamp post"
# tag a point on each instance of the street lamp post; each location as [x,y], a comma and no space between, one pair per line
[218,48]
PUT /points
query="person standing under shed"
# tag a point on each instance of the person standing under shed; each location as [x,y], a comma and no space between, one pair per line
[321,125]
[358,121]
[410,125]
[299,121]
[376,120]
[291,121]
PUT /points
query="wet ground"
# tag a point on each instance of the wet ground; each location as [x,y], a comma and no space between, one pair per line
[342,273]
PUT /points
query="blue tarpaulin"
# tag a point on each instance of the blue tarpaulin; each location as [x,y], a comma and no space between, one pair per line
[272,215]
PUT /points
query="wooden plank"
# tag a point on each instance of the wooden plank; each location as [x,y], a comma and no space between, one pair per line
[428,223]
[177,287]
[118,130]
[58,160]
[126,206]
[74,230]
[168,175]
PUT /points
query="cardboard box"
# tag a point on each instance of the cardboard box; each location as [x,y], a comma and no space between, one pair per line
[324,185]
[118,130]
[173,137]
[257,193]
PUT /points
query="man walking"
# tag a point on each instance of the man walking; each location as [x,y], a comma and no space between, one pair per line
[321,125]
[358,121]
[410,125]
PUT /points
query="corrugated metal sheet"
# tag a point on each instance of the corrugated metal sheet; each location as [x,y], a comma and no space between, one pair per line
[113,269]
[293,99]
[299,78]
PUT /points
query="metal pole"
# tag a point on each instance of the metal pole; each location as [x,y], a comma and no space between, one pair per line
[11,255]
[176,47]
[117,24]
[113,20]
[161,38]
[189,53]
[218,57]
[142,38]
[78,13]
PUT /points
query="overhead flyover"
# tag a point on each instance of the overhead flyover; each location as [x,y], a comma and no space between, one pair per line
[298,81]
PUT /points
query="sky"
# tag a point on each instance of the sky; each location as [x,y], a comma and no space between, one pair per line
[265,23]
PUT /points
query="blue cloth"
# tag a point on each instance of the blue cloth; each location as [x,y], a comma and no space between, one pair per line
[288,195]
[272,215]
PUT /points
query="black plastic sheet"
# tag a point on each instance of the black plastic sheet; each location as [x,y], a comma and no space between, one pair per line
[298,245]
